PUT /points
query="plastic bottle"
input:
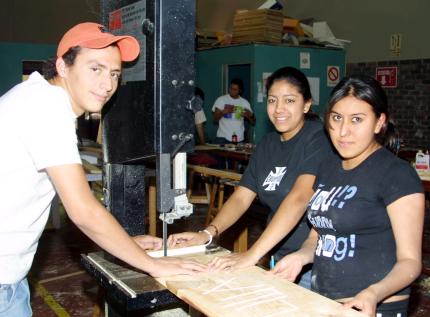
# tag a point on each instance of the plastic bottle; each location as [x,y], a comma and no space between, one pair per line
[234,138]
[422,161]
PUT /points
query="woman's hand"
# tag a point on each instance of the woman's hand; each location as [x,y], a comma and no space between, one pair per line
[289,267]
[167,266]
[365,301]
[232,261]
[186,239]
[147,242]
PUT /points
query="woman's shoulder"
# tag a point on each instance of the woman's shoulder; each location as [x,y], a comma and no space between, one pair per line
[267,141]
[390,164]
[314,131]
[270,137]
[313,126]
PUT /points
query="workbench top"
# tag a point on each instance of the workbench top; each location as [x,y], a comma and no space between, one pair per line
[250,291]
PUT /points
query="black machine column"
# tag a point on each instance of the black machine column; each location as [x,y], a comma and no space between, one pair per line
[151,117]
[145,124]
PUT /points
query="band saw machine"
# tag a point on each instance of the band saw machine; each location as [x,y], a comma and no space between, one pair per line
[148,123]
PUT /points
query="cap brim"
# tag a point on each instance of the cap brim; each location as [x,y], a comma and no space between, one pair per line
[128,45]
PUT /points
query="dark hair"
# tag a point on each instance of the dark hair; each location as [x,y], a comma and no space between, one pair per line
[50,69]
[294,77]
[238,82]
[369,90]
[199,92]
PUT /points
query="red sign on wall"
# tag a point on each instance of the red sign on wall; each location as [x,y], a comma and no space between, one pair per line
[387,76]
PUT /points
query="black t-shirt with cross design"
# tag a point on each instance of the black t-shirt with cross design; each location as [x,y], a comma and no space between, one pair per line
[275,165]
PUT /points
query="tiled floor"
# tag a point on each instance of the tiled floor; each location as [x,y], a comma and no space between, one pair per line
[60,287]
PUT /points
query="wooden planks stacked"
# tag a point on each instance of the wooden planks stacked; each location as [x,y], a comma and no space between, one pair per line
[263,25]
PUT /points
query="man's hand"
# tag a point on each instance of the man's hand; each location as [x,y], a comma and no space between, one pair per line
[147,242]
[228,109]
[232,261]
[167,266]
[249,116]
[186,239]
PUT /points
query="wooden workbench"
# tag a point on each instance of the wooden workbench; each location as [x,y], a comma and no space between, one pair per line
[249,292]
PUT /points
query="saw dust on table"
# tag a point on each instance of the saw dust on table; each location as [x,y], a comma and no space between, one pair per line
[251,292]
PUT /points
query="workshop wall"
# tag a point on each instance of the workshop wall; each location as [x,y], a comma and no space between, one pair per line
[409,102]
[30,30]
[369,25]
[211,68]
[13,54]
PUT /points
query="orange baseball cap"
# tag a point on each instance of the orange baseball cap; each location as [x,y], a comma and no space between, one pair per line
[94,35]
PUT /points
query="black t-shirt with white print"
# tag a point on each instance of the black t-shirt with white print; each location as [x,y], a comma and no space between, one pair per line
[275,165]
[356,245]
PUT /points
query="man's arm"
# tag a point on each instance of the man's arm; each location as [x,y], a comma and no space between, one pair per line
[248,115]
[99,225]
[218,114]
[200,133]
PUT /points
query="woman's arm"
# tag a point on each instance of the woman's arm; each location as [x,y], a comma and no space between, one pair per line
[99,225]
[235,206]
[407,218]
[286,218]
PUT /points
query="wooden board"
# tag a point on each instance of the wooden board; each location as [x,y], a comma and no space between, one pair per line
[257,26]
[251,292]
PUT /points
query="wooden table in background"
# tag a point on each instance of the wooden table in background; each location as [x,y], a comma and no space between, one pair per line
[227,151]
[425,179]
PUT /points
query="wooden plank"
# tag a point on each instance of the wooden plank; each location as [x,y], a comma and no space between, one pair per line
[258,26]
[246,14]
[215,172]
[90,168]
[250,292]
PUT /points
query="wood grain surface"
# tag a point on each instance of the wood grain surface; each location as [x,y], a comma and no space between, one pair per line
[249,292]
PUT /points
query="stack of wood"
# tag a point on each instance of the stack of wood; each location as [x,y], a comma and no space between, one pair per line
[262,25]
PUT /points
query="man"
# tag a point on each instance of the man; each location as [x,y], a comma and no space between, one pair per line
[230,111]
[199,115]
[37,135]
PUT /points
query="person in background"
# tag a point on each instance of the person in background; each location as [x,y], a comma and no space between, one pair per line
[281,171]
[367,211]
[199,116]
[230,111]
[42,157]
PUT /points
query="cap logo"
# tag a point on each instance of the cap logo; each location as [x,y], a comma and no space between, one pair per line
[102,29]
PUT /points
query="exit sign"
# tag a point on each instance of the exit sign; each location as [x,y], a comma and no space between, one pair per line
[387,76]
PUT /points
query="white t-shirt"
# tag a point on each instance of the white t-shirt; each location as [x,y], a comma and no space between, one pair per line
[231,122]
[199,117]
[37,130]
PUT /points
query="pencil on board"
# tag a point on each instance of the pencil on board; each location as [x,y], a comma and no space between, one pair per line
[272,262]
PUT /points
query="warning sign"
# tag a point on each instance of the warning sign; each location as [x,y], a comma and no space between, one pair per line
[333,74]
[387,76]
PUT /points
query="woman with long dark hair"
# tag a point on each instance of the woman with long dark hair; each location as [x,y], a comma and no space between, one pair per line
[367,212]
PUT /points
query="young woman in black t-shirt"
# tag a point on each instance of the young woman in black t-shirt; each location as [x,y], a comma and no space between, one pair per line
[367,211]
[281,172]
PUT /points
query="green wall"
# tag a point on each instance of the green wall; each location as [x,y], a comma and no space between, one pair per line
[264,58]
[11,57]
